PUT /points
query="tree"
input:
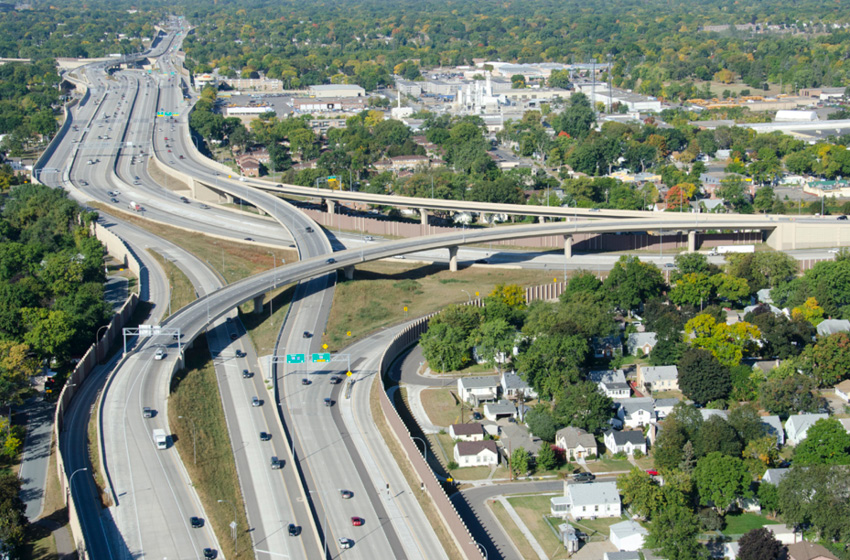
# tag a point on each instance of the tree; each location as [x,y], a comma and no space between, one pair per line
[552,362]
[13,521]
[730,287]
[585,406]
[810,311]
[495,339]
[447,342]
[541,422]
[728,343]
[826,443]
[48,332]
[781,337]
[673,532]
[768,495]
[761,454]
[640,492]
[692,288]
[17,366]
[547,459]
[679,428]
[786,395]
[689,458]
[747,422]
[702,377]
[760,544]
[830,359]
[519,461]
[632,282]
[693,263]
[721,480]
[717,435]
[817,495]
[577,119]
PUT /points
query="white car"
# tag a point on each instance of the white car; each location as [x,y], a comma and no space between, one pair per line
[160,354]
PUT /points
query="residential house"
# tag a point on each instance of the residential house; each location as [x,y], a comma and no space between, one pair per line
[774,476]
[809,551]
[784,533]
[842,390]
[773,426]
[707,413]
[467,432]
[832,326]
[513,385]
[607,346]
[845,423]
[626,442]
[503,410]
[576,443]
[476,453]
[621,555]
[596,499]
[730,550]
[612,382]
[641,343]
[663,407]
[515,436]
[628,535]
[796,426]
[636,412]
[478,388]
[658,378]
[491,428]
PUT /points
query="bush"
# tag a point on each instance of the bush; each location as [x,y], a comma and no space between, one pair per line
[408,285]
[619,455]
[638,454]
[710,520]
[452,465]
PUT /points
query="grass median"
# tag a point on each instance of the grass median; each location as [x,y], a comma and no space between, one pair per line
[182,290]
[195,396]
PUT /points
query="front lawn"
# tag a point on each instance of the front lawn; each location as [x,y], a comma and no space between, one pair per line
[744,523]
[608,464]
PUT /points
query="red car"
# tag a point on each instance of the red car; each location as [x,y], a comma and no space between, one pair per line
[652,472]
[357,521]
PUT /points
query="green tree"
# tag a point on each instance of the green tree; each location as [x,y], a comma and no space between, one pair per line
[495,339]
[729,287]
[830,359]
[787,395]
[553,362]
[702,377]
[829,513]
[632,282]
[721,480]
[577,119]
[541,422]
[760,544]
[547,459]
[13,521]
[717,435]
[519,461]
[826,443]
[692,288]
[48,332]
[583,405]
[768,495]
[640,492]
[694,263]
[747,422]
[761,454]
[673,533]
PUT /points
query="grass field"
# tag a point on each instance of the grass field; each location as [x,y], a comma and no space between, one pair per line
[263,332]
[381,291]
[442,407]
[512,530]
[195,396]
[608,464]
[600,526]
[182,291]
[531,510]
[745,522]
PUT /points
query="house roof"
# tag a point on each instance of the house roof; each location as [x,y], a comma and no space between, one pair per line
[809,551]
[663,403]
[515,436]
[832,326]
[593,493]
[480,382]
[660,373]
[633,405]
[607,376]
[773,424]
[801,422]
[641,339]
[614,386]
[573,437]
[626,529]
[780,529]
[774,476]
[844,386]
[470,448]
[707,413]
[501,407]
[512,380]
[613,340]
[472,429]
[629,436]
[622,555]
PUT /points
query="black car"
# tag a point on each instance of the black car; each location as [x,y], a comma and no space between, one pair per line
[328,402]
[210,553]
[240,354]
[196,522]
[294,530]
[305,381]
[476,416]
[233,336]
[247,374]
[265,436]
[584,477]
[307,334]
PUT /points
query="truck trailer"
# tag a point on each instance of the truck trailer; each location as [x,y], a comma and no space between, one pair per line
[723,249]
[160,438]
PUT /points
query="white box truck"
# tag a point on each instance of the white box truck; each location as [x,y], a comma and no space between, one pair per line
[160,438]
[134,207]
[723,249]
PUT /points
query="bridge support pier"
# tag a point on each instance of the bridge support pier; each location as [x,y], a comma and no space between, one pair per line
[453,259]
[349,272]
[541,219]
[331,206]
[423,216]
[258,304]
[568,246]
[692,241]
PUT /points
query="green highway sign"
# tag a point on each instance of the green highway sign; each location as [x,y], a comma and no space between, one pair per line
[295,358]
[326,357]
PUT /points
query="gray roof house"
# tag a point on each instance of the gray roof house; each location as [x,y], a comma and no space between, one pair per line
[774,476]
[707,413]
[612,382]
[641,342]
[597,499]
[626,442]
[659,378]
[636,412]
[478,388]
[515,436]
[606,346]
[663,407]
[622,554]
[513,384]
[576,443]
[832,326]
[796,426]
[503,409]
[628,535]
[773,426]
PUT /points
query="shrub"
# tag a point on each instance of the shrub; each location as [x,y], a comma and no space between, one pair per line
[452,465]
[711,520]
[638,454]
[619,455]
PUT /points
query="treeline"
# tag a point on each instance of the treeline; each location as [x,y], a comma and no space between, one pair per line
[28,98]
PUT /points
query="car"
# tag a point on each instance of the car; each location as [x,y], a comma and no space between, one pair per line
[833,251]
[594,210]
[166,138]
[309,229]
[841,217]
[346,494]
[276,463]
[335,379]
[669,265]
[265,436]
[345,542]
[147,412]
[181,156]
[169,151]
[398,256]
[196,522]
[160,354]
[184,200]
[84,183]
[247,238]
[356,521]
[306,334]
[255,401]
[294,530]
[584,477]
[368,238]
[210,553]
[476,416]
[137,182]
[115,200]
[328,402]
[247,374]
[233,336]
[112,193]
[240,354]
[331,260]
[204,207]
[652,472]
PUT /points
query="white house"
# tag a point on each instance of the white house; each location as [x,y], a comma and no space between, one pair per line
[774,476]
[502,409]
[513,385]
[476,453]
[798,425]
[467,432]
[625,442]
[784,533]
[659,378]
[479,388]
[597,499]
[628,535]
[641,343]
[612,382]
[842,390]
[730,550]
[663,407]
[832,326]
[576,443]
[637,412]
[773,426]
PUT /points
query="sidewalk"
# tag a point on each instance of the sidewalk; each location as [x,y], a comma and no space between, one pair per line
[523,528]
[414,401]
[36,455]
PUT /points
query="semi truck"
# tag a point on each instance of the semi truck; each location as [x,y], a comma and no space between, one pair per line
[134,207]
[723,249]
[160,438]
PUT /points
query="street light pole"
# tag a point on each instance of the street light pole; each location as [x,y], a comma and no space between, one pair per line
[71,478]
[482,547]
[424,447]
[467,295]
[194,441]
[235,527]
